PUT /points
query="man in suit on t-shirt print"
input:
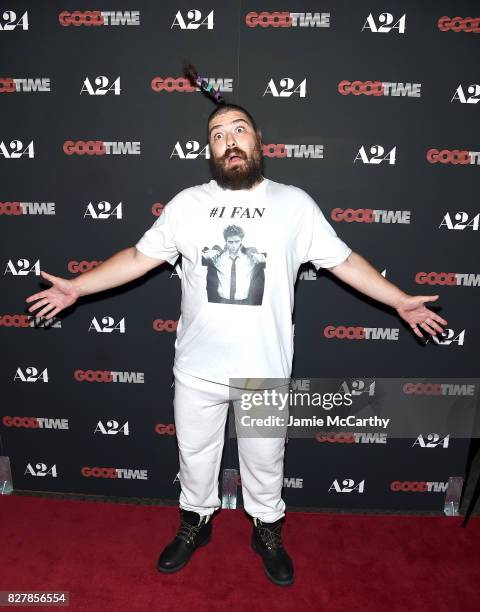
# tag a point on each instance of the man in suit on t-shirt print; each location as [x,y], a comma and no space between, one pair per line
[236,274]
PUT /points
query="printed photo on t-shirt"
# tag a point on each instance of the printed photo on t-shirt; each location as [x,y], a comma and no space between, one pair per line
[235,272]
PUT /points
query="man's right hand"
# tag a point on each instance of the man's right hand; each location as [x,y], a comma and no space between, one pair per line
[122,267]
[61,295]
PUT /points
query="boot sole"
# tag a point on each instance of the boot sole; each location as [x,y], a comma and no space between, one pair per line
[269,576]
[179,567]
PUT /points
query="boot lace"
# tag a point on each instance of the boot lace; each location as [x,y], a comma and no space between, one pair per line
[188,532]
[271,536]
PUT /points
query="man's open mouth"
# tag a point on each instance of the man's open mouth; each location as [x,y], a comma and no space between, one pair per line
[234,159]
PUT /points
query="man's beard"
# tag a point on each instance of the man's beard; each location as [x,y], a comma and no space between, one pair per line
[239,176]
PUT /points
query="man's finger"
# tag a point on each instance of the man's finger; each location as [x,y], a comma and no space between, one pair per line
[417,331]
[53,313]
[429,298]
[45,310]
[33,297]
[427,328]
[438,318]
[435,326]
[38,304]
[48,276]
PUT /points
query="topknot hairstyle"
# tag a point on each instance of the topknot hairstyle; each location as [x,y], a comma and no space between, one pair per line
[221,105]
[191,73]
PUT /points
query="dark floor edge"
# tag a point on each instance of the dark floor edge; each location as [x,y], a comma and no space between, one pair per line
[149,501]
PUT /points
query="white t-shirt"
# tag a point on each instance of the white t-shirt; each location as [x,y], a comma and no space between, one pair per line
[241,250]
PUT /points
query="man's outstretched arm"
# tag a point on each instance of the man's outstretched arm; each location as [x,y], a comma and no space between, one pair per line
[357,272]
[120,268]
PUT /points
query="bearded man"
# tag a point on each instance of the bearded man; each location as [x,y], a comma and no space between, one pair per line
[221,340]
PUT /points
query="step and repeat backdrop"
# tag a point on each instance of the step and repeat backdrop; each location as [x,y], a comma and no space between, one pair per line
[370,107]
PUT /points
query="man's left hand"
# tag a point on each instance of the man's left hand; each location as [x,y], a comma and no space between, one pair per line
[411,308]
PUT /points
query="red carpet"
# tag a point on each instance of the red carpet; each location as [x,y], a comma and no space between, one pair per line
[105,555]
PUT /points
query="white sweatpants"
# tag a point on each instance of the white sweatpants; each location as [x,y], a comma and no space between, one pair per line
[201,409]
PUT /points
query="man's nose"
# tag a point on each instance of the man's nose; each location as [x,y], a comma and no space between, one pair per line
[231,142]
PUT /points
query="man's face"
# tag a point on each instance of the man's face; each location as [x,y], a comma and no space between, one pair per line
[233,244]
[236,156]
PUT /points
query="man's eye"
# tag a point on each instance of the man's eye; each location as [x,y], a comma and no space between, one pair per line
[215,137]
[240,127]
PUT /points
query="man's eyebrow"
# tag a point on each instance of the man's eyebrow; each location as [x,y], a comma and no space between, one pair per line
[221,125]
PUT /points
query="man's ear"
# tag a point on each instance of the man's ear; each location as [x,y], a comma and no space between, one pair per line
[259,135]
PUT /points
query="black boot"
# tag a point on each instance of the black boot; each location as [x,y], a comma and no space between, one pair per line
[194,531]
[267,542]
